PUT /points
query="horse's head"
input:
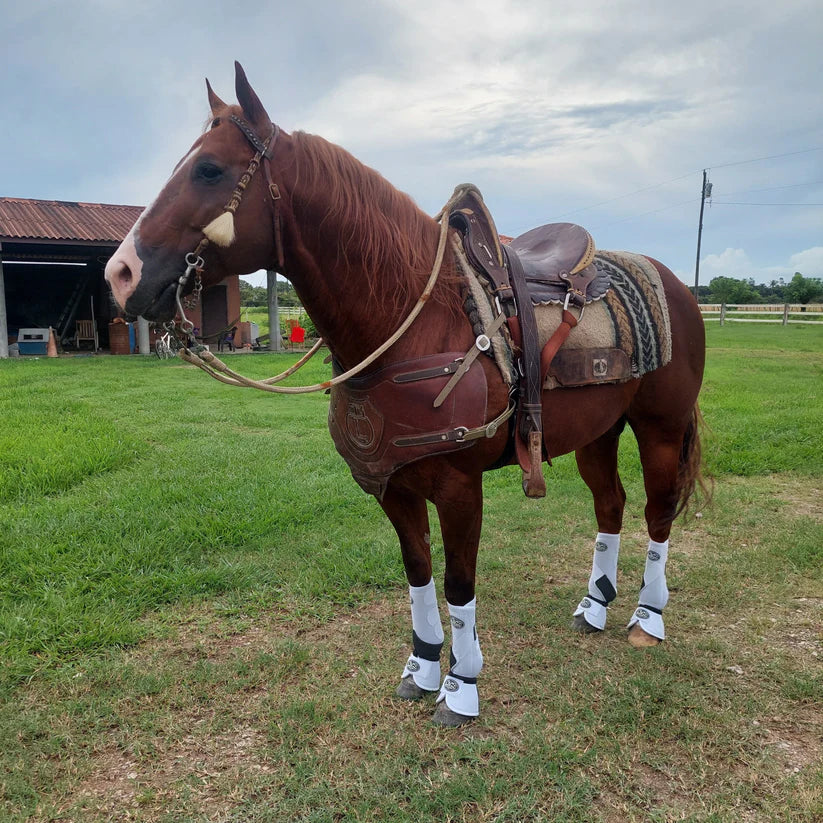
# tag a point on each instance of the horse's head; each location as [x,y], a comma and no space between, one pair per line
[197,211]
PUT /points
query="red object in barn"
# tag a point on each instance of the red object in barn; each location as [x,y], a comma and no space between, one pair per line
[298,335]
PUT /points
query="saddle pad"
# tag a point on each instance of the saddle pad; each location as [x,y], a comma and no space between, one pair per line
[633,317]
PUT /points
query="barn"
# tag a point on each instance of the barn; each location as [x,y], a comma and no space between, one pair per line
[52,258]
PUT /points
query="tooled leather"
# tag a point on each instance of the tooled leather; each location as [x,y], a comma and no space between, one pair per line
[370,415]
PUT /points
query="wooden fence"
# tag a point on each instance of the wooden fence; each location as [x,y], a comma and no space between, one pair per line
[724,312]
[763,312]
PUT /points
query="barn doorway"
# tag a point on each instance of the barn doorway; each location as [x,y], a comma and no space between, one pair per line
[215,311]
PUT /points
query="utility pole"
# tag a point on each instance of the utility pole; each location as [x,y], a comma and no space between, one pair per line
[705,192]
[274,312]
[143,336]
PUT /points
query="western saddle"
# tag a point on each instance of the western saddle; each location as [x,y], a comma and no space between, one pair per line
[550,264]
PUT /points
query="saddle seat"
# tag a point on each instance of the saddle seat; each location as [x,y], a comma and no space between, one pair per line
[557,259]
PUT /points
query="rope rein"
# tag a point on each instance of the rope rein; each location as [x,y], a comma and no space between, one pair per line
[217,369]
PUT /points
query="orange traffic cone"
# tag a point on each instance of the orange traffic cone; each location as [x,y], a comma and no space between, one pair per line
[51,349]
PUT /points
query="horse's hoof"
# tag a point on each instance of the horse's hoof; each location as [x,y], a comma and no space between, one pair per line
[641,639]
[444,716]
[580,624]
[409,690]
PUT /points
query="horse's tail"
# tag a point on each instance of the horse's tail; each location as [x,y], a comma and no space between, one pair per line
[690,474]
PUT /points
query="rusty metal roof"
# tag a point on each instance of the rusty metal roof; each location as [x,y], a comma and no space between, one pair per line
[22,219]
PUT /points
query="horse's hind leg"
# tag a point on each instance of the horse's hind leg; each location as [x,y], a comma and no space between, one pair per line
[407,513]
[597,463]
[660,442]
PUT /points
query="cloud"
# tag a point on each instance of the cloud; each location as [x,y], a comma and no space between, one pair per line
[738,264]
[809,262]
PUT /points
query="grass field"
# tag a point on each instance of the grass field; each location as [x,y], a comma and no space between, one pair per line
[202,617]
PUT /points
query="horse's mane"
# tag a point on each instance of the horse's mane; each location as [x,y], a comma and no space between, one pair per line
[385,231]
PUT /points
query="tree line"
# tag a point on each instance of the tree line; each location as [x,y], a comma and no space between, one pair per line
[257,295]
[799,289]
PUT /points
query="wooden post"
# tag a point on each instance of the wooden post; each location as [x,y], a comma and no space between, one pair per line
[4,326]
[722,313]
[274,311]
[785,314]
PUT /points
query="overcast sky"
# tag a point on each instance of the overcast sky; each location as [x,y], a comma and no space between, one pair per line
[602,113]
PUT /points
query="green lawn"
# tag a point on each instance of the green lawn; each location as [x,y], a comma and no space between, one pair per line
[202,617]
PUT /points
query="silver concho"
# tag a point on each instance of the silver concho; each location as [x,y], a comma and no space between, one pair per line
[413,665]
[642,614]
[457,622]
[450,685]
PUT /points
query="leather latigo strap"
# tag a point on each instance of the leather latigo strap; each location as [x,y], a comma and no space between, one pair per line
[385,420]
[530,407]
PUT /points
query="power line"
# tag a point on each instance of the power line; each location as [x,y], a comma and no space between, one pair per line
[768,204]
[773,188]
[683,177]
[644,214]
[622,196]
[769,157]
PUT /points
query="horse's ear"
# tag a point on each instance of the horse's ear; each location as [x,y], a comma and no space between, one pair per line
[249,101]
[217,105]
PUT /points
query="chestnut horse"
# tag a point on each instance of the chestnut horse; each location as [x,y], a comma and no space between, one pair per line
[359,253]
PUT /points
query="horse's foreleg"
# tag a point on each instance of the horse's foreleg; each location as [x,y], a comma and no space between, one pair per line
[597,463]
[409,516]
[460,509]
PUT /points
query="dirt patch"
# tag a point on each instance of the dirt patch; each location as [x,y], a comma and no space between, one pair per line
[199,765]
[795,742]
[808,639]
[794,495]
[201,633]
[803,500]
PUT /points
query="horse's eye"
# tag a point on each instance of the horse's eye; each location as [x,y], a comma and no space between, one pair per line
[206,172]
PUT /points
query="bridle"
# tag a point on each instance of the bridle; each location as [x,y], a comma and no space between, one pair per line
[194,260]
